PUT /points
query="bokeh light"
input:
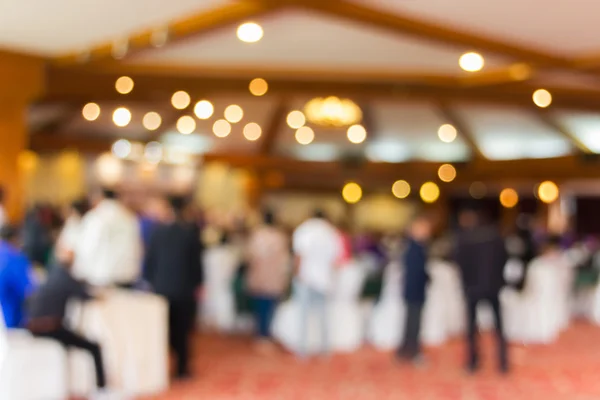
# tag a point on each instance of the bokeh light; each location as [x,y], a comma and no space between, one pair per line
[124,85]
[180,100]
[401,189]
[252,131]
[542,98]
[186,124]
[234,113]
[204,109]
[447,133]
[121,117]
[357,134]
[221,128]
[471,62]
[296,119]
[305,135]
[91,111]
[258,87]
[121,148]
[477,190]
[509,198]
[429,192]
[152,121]
[250,32]
[153,152]
[548,192]
[352,193]
[447,173]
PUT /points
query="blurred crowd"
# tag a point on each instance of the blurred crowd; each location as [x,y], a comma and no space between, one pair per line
[169,247]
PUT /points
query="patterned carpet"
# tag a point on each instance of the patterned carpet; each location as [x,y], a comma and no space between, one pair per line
[229,369]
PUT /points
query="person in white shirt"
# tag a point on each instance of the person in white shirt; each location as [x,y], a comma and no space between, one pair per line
[69,235]
[109,248]
[318,246]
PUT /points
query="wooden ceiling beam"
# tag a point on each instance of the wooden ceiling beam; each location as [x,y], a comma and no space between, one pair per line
[407,24]
[82,85]
[194,25]
[274,127]
[463,129]
[552,123]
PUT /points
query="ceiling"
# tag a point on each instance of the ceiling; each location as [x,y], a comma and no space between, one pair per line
[397,59]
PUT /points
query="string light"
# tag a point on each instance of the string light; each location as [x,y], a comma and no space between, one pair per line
[296,119]
[121,117]
[258,87]
[548,192]
[447,133]
[305,135]
[186,125]
[352,193]
[221,128]
[447,173]
[204,109]
[357,134]
[401,189]
[509,198]
[250,32]
[471,62]
[252,131]
[152,121]
[234,113]
[542,98]
[180,100]
[91,111]
[124,85]
[429,192]
[121,148]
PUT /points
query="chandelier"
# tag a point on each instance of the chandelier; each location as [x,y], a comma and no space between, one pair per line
[332,112]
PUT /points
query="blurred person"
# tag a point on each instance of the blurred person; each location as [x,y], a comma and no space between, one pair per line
[3,216]
[109,248]
[69,234]
[268,274]
[481,255]
[37,234]
[415,283]
[16,281]
[524,233]
[173,269]
[317,246]
[47,307]
[155,211]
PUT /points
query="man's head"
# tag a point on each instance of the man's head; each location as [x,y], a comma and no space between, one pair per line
[10,234]
[80,206]
[178,205]
[421,228]
[109,193]
[268,217]
[319,214]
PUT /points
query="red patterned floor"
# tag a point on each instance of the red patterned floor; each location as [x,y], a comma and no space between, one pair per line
[229,369]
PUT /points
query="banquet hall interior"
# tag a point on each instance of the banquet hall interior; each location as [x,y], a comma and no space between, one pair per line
[374,112]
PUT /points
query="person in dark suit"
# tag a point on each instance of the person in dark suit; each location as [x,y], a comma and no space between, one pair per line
[174,270]
[481,255]
[415,283]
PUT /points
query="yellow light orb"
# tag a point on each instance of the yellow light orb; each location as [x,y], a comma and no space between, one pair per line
[357,134]
[258,87]
[152,121]
[121,148]
[186,125]
[542,98]
[234,113]
[252,131]
[250,32]
[429,192]
[352,193]
[121,117]
[204,109]
[401,189]
[221,128]
[305,135]
[471,62]
[91,111]
[477,190]
[447,173]
[509,198]
[27,161]
[296,119]
[548,192]
[447,133]
[124,85]
[180,100]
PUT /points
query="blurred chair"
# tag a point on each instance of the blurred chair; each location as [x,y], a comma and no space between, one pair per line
[346,321]
[31,368]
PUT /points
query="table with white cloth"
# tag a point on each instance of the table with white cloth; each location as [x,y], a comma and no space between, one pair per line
[132,330]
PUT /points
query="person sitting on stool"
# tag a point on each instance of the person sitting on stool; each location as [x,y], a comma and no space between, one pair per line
[47,310]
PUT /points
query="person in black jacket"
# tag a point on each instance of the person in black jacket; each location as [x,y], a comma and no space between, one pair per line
[481,255]
[174,270]
[415,282]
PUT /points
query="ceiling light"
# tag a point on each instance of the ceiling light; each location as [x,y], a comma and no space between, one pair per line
[91,111]
[186,125]
[221,128]
[352,193]
[305,135]
[252,131]
[152,121]
[548,192]
[333,112]
[204,109]
[234,113]
[401,189]
[121,148]
[250,32]
[357,134]
[429,192]
[258,87]
[447,173]
[471,62]
[296,119]
[180,100]
[124,85]
[509,198]
[121,117]
[542,98]
[447,133]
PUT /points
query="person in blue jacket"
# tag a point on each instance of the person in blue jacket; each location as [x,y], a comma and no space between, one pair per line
[415,282]
[16,282]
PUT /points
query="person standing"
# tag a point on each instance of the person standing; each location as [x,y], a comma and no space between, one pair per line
[65,244]
[318,247]
[268,274]
[47,309]
[109,248]
[174,270]
[415,283]
[16,282]
[481,255]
